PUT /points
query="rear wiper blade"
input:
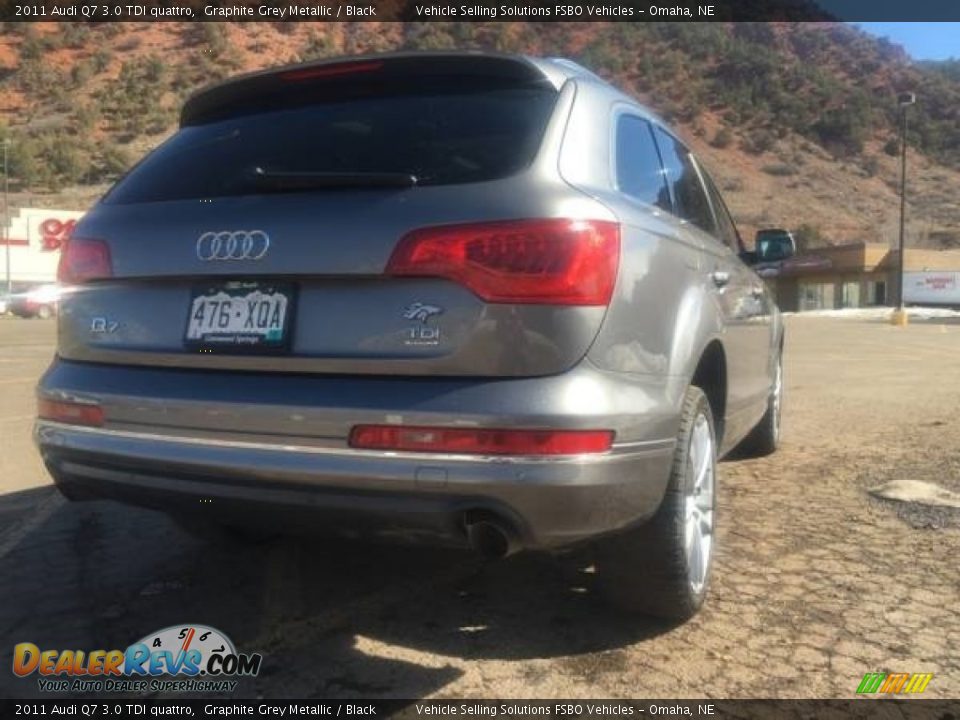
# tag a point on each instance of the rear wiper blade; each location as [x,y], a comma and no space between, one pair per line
[289,180]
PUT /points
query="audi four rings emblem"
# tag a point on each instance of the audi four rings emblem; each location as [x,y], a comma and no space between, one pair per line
[236,245]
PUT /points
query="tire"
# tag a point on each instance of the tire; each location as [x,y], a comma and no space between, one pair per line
[662,567]
[764,439]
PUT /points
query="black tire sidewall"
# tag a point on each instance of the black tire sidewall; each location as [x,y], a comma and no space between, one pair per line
[681,475]
[645,569]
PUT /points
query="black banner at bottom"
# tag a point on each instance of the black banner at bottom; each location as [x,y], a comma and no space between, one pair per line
[431,709]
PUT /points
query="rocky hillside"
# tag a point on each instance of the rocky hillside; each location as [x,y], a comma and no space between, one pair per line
[797,121]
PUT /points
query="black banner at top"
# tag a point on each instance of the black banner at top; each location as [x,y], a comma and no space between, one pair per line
[467,709]
[483,10]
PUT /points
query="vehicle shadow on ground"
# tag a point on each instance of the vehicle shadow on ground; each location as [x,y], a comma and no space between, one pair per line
[332,618]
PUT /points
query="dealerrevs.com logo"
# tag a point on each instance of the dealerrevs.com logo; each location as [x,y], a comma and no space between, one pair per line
[180,658]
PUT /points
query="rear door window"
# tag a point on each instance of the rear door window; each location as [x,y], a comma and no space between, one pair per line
[689,197]
[640,172]
[443,138]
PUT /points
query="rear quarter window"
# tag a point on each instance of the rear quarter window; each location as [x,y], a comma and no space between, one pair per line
[640,172]
[441,138]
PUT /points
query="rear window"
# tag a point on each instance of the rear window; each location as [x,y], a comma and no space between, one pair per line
[441,138]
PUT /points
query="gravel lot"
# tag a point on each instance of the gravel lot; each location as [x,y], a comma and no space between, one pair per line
[815,583]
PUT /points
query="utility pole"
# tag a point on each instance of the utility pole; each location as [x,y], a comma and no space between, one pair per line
[904,100]
[6,213]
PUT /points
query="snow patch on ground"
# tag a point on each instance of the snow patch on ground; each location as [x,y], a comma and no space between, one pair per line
[880,313]
[925,493]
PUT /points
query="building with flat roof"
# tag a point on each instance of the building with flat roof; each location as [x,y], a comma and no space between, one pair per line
[30,248]
[863,275]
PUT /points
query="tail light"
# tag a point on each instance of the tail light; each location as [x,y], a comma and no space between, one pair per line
[551,261]
[481,441]
[82,260]
[326,71]
[70,412]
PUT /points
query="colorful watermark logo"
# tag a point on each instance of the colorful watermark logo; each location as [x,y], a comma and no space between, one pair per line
[894,683]
[185,658]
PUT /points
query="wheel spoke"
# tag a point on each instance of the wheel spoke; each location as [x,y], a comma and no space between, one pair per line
[698,503]
[704,501]
[704,451]
[706,523]
[706,543]
[778,397]
[690,522]
[695,558]
[703,471]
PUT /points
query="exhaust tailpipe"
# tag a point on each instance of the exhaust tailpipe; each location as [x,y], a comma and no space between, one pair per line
[491,538]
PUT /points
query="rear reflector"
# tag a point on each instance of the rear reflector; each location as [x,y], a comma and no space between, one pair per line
[483,441]
[552,261]
[82,259]
[69,412]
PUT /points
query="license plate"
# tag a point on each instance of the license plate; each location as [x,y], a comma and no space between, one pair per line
[242,315]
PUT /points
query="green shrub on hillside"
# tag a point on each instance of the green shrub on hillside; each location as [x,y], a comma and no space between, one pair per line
[757,142]
[779,169]
[113,162]
[101,60]
[74,35]
[81,73]
[842,131]
[318,45]
[722,139]
[23,161]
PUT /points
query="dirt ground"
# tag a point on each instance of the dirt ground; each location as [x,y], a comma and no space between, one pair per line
[815,582]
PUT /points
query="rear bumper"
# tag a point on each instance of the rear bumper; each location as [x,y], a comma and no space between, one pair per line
[410,497]
[311,483]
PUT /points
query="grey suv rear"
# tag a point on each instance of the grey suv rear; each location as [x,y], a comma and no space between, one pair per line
[457,298]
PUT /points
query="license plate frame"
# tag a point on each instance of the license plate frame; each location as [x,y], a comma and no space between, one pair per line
[240,342]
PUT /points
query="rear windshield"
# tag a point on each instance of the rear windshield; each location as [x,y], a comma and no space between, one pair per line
[441,138]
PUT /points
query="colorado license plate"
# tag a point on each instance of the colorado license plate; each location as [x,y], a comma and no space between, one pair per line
[240,315]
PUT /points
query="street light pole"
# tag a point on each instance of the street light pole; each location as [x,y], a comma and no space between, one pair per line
[904,100]
[6,214]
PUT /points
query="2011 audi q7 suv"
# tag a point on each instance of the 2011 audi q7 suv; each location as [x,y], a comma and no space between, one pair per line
[462,297]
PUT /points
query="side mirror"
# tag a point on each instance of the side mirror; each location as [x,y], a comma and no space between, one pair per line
[773,245]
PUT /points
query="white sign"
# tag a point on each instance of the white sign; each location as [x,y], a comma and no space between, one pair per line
[34,240]
[932,288]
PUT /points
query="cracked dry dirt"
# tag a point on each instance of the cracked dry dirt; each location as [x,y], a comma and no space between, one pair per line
[815,583]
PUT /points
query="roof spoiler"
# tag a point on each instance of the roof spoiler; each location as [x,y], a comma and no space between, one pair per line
[352,76]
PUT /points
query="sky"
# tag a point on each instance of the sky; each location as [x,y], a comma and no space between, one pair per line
[922,40]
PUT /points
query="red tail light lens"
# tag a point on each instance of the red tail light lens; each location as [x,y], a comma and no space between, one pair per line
[69,412]
[482,441]
[553,261]
[82,260]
